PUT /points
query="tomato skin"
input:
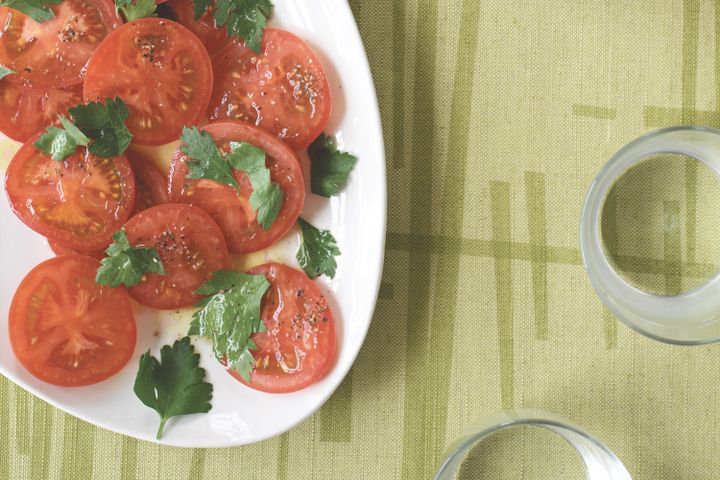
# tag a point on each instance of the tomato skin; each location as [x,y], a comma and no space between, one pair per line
[150,183]
[210,35]
[54,52]
[300,330]
[160,70]
[67,330]
[27,109]
[191,247]
[77,203]
[231,211]
[60,250]
[284,90]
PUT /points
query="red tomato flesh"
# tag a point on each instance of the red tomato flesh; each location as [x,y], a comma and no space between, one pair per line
[67,330]
[27,109]
[160,70]
[60,250]
[151,184]
[231,211]
[298,347]
[77,203]
[283,90]
[54,52]
[191,247]
[210,35]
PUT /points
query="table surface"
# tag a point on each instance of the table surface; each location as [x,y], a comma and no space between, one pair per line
[497,115]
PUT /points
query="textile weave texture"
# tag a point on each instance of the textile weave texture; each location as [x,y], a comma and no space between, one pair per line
[497,114]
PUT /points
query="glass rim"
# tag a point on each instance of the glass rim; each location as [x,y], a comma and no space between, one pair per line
[689,318]
[599,461]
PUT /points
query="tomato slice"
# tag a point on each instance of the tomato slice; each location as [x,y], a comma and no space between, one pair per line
[298,347]
[284,90]
[66,329]
[26,109]
[191,247]
[212,36]
[54,52]
[60,250]
[161,71]
[77,203]
[150,183]
[232,211]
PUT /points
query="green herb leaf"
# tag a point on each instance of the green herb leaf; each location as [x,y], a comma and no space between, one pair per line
[244,19]
[267,197]
[330,168]
[38,10]
[126,264]
[105,124]
[230,315]
[175,385]
[132,10]
[206,159]
[200,6]
[317,251]
[60,143]
[4,72]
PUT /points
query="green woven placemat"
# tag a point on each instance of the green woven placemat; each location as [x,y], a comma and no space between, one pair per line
[497,115]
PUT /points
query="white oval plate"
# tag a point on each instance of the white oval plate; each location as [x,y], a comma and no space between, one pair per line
[239,414]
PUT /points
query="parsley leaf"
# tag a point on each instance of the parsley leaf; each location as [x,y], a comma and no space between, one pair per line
[38,10]
[126,264]
[100,126]
[266,198]
[317,251]
[60,143]
[206,159]
[105,124]
[330,167]
[175,385]
[230,315]
[132,10]
[4,72]
[244,19]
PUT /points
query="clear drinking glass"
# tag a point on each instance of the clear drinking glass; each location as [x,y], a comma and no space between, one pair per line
[600,463]
[689,318]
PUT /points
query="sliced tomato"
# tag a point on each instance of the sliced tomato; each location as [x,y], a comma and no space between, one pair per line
[66,329]
[60,250]
[191,247]
[298,347]
[54,52]
[77,203]
[162,72]
[212,36]
[232,211]
[26,109]
[151,184]
[284,90]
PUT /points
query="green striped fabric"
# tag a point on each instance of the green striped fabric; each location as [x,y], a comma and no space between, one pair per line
[497,115]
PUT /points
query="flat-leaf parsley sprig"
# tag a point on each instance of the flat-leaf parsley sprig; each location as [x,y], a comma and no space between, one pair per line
[134,9]
[317,251]
[100,127]
[244,19]
[126,264]
[329,167]
[175,385]
[38,10]
[229,315]
[206,161]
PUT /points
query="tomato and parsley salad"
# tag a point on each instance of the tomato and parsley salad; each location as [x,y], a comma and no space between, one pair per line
[84,85]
